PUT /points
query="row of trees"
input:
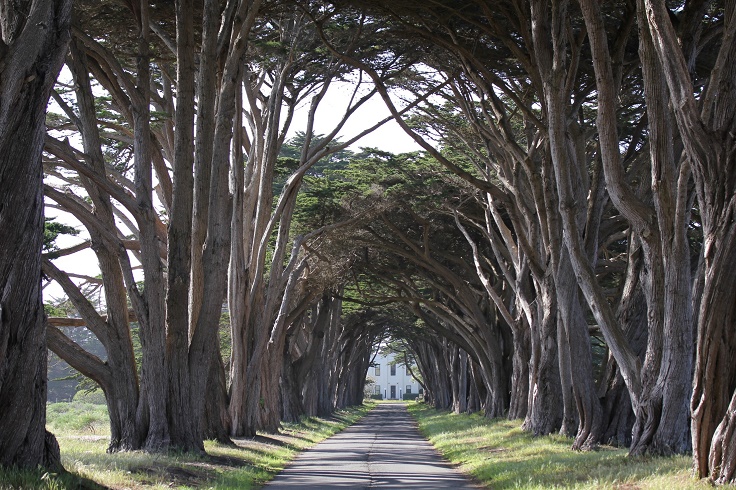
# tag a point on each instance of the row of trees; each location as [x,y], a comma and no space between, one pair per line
[165,147]
[216,228]
[565,236]
[593,159]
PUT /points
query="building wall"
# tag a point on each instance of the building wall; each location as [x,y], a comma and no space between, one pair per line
[401,381]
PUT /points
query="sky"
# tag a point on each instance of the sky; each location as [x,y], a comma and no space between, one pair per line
[390,137]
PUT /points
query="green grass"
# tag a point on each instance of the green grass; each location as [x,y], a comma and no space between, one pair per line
[500,455]
[22,479]
[83,435]
[77,417]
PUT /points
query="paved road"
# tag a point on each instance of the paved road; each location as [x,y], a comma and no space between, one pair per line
[384,449]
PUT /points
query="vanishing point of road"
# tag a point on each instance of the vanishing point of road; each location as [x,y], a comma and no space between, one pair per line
[383,450]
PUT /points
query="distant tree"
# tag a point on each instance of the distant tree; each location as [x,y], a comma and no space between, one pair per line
[51,231]
[370,386]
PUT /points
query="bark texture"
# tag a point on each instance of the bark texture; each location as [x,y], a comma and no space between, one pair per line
[35,36]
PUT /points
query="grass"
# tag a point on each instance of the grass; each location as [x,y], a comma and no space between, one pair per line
[83,436]
[77,418]
[498,454]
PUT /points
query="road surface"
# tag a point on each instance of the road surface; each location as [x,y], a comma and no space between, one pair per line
[383,450]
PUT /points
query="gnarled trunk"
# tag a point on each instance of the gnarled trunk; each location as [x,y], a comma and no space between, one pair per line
[35,36]
[544,415]
[714,392]
[519,382]
[575,328]
[618,415]
[707,130]
[121,386]
[216,417]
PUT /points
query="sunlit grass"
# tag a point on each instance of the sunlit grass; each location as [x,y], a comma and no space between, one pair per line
[500,455]
[83,436]
[78,418]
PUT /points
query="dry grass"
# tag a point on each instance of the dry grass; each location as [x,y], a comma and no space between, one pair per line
[83,439]
[500,455]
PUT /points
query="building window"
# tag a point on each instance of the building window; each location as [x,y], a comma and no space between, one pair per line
[378,370]
[408,372]
[393,369]
[408,389]
[378,389]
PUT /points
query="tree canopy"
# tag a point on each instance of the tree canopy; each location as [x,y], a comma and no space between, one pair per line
[559,250]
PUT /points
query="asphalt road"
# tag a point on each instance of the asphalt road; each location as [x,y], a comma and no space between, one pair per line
[383,450]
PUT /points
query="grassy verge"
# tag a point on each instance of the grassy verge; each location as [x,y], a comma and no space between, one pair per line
[83,436]
[498,454]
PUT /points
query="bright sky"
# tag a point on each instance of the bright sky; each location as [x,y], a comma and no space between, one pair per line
[390,137]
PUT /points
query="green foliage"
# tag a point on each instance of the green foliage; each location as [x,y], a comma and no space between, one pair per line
[63,308]
[94,397]
[390,195]
[224,334]
[369,387]
[290,159]
[357,183]
[51,231]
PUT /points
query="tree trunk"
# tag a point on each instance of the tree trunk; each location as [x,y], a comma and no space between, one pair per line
[269,415]
[570,417]
[34,40]
[151,311]
[303,345]
[216,255]
[184,425]
[618,415]
[116,376]
[462,405]
[474,395]
[714,391]
[291,397]
[544,415]
[519,399]
[662,415]
[121,391]
[216,417]
[453,361]
[323,380]
[204,140]
[551,57]
[707,129]
[575,328]
[721,458]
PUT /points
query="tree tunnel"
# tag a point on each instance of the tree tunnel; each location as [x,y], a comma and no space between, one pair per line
[558,250]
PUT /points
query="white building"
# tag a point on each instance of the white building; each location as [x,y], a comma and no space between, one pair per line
[393,380]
